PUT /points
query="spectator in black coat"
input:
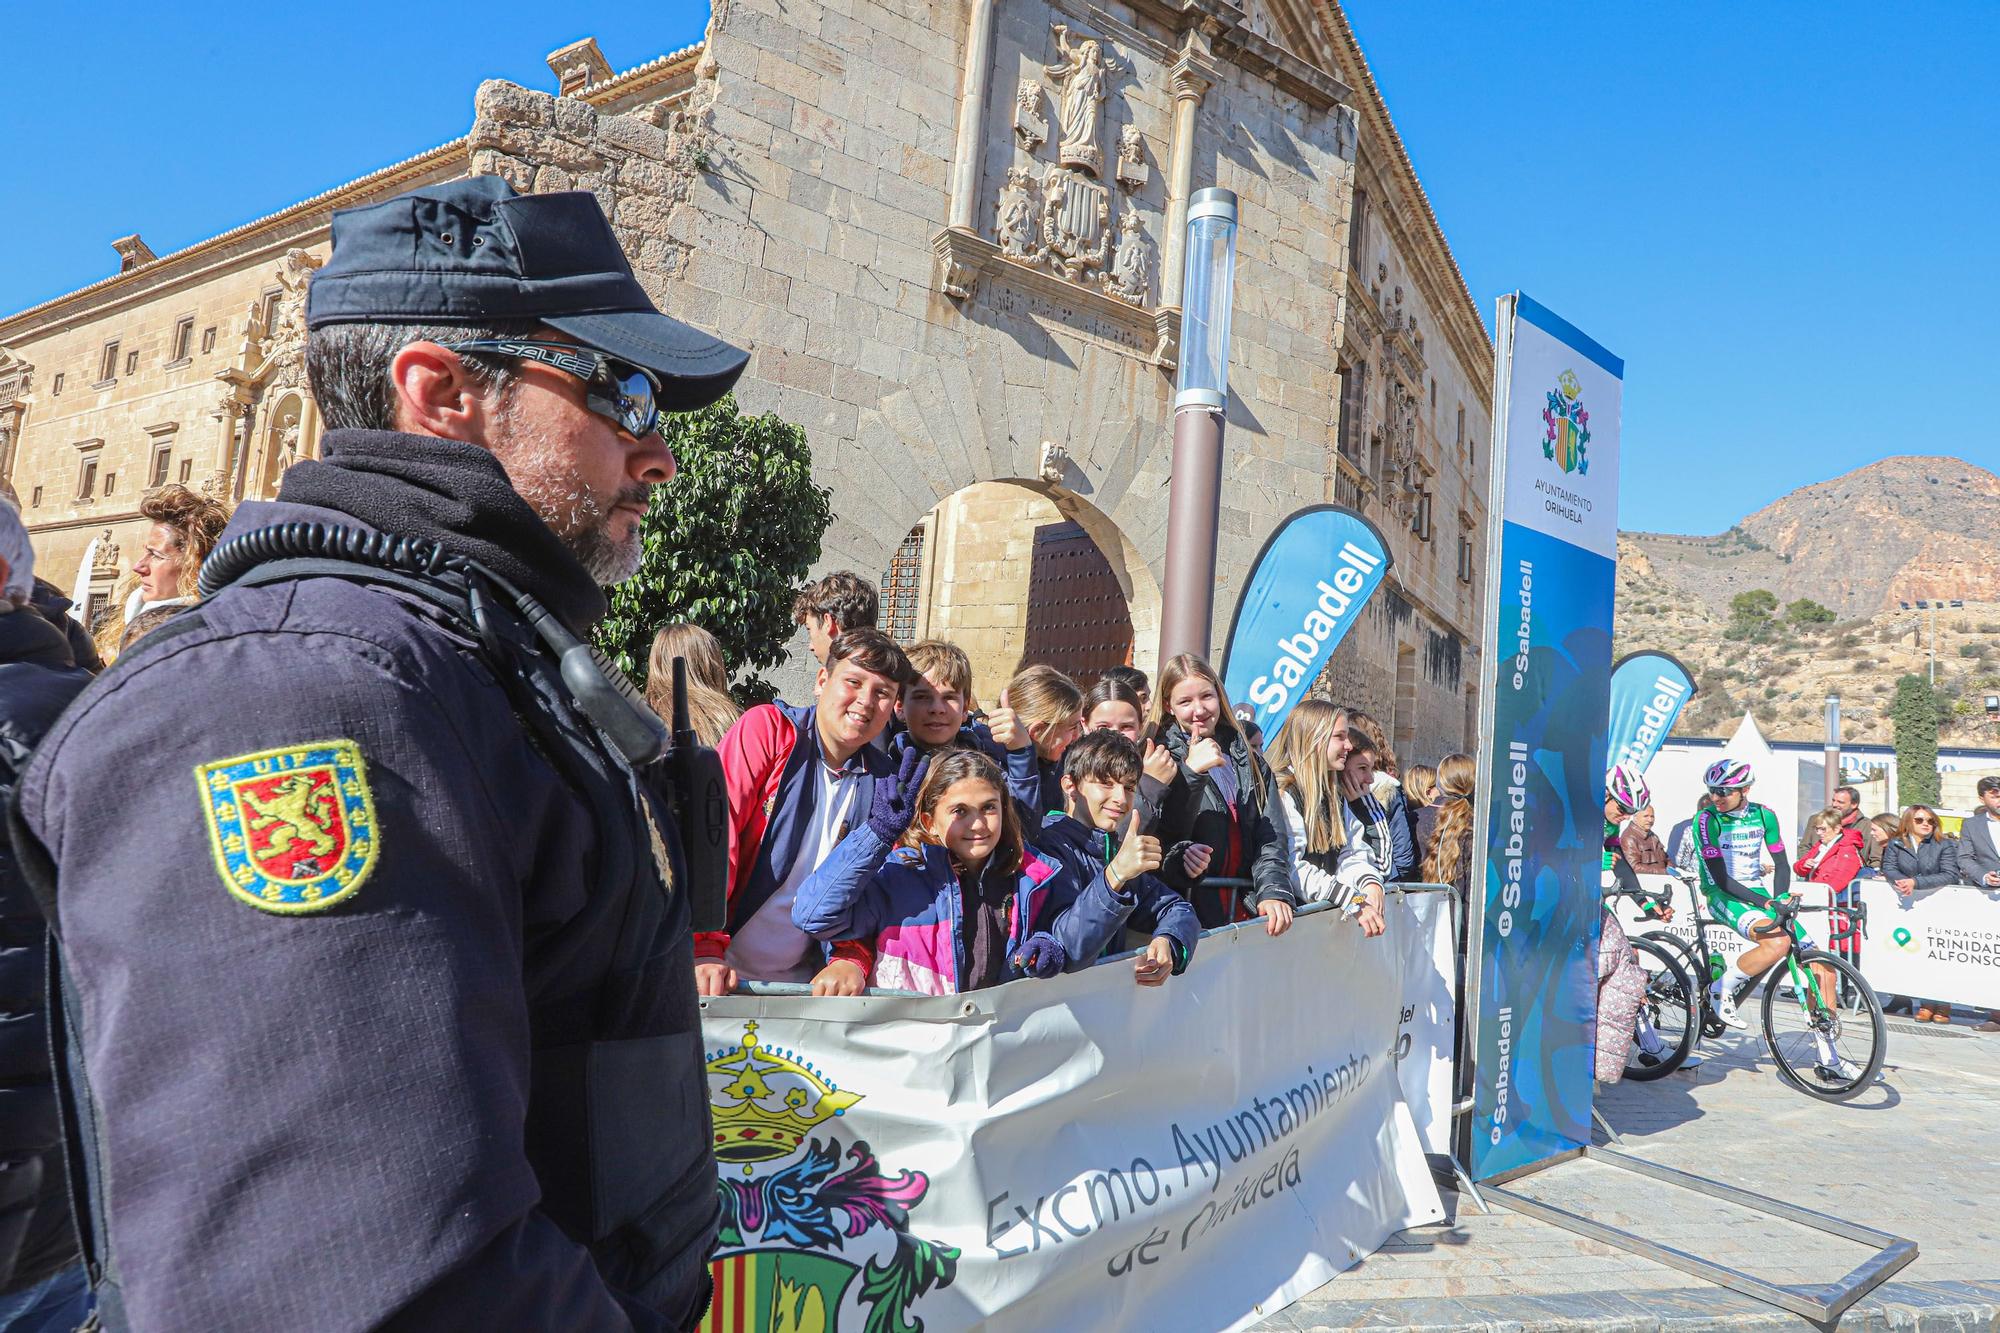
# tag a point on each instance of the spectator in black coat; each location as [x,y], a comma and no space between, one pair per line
[1919,859]
[42,1284]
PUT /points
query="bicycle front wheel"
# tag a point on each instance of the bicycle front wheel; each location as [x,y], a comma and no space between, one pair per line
[1670,1007]
[1829,1039]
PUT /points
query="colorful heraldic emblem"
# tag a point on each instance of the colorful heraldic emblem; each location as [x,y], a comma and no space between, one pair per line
[1567,426]
[798,1226]
[293,829]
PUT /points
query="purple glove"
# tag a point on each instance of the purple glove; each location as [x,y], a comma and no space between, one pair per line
[1042,955]
[896,798]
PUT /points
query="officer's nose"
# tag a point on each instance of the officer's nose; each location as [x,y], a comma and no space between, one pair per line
[651,462]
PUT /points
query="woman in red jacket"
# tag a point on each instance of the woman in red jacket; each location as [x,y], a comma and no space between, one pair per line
[1833,857]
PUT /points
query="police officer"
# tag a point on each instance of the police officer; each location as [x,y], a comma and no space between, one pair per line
[377,981]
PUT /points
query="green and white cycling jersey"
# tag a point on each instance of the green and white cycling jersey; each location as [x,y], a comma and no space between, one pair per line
[1734,846]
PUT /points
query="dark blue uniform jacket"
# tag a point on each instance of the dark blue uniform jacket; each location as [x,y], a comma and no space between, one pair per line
[470,1093]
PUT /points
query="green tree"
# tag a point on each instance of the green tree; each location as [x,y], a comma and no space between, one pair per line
[1750,615]
[726,544]
[1914,714]
[1806,611]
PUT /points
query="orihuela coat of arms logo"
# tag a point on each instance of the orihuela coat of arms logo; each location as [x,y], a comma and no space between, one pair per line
[1568,426]
[798,1227]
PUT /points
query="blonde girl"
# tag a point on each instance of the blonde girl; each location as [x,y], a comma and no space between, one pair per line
[1331,859]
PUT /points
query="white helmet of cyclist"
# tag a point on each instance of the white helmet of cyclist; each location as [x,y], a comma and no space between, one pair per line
[1726,775]
[1626,784]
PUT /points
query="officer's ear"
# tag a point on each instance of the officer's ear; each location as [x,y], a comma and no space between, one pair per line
[436,396]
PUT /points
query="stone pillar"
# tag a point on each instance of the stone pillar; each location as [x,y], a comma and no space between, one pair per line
[974,86]
[1190,79]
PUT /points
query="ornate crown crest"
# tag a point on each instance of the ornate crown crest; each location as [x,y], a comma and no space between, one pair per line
[766,1101]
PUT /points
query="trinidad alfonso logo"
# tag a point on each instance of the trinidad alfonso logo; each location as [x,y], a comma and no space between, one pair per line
[1904,940]
[1567,425]
[798,1227]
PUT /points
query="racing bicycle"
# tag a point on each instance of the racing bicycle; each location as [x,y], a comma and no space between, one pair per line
[1796,1013]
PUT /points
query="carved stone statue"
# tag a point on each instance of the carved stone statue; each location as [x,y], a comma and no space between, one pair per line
[1018,224]
[1076,216]
[106,559]
[1030,126]
[1132,267]
[1082,76]
[1132,170]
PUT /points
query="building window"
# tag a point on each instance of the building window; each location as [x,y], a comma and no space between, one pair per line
[37,500]
[1360,232]
[902,588]
[1472,453]
[1464,558]
[58,385]
[1460,441]
[183,342]
[162,457]
[187,470]
[208,340]
[1355,397]
[107,365]
[110,482]
[1420,518]
[86,477]
[267,318]
[131,363]
[1434,397]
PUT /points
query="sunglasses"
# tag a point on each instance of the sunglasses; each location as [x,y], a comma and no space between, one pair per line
[619,390]
[1923,821]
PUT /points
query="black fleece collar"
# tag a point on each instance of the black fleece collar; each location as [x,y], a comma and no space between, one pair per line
[455,494]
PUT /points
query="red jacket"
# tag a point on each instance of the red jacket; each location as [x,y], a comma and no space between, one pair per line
[764,767]
[1839,866]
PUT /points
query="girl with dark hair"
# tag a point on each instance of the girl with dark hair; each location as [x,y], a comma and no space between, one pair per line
[941,882]
[1223,796]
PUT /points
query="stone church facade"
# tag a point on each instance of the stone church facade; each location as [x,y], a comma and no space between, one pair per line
[949,232]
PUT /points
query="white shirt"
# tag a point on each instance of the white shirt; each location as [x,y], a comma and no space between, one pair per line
[770,947]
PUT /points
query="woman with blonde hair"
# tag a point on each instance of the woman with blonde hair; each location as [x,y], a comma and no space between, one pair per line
[1448,858]
[1331,859]
[710,709]
[1222,796]
[185,527]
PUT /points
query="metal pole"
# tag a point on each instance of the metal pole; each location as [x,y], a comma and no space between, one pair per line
[1933,645]
[1832,745]
[1188,603]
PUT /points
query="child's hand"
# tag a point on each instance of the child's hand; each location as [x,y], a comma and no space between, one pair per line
[1153,967]
[1205,754]
[1159,763]
[842,976]
[1277,916]
[1137,856]
[712,976]
[1370,916]
[1007,727]
[1042,955]
[1195,858]
[896,799]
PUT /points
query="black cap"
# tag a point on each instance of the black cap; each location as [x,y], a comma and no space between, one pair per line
[474,251]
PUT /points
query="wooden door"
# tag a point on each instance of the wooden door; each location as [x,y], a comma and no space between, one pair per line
[1077,618]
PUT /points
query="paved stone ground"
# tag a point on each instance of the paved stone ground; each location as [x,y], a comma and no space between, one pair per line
[1911,1157]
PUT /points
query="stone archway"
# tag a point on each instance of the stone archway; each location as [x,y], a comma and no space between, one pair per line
[1017,571]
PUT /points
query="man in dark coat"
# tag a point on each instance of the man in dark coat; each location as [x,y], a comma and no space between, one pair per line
[376,944]
[41,1279]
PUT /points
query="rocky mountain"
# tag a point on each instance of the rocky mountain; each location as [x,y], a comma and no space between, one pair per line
[1859,545]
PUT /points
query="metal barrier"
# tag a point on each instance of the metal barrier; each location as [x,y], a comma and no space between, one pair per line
[799,988]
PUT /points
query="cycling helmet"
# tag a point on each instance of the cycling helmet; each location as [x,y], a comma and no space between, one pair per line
[1626,784]
[1726,775]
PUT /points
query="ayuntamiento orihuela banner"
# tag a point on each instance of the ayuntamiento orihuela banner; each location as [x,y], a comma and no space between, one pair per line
[1078,1153]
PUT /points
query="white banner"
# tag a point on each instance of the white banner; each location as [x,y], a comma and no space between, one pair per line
[1421,924]
[1936,944]
[1079,1153]
[1721,939]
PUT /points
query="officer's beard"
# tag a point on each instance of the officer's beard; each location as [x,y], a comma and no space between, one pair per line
[544,473]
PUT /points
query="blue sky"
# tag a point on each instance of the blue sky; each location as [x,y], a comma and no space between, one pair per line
[1782,216]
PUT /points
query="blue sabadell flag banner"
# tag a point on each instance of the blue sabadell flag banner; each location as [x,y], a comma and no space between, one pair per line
[1648,692]
[1305,591]
[1531,995]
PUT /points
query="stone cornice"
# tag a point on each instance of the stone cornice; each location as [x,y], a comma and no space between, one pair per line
[1431,257]
[302,223]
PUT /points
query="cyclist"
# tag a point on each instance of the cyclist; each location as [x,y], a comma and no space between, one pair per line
[1621,981]
[1732,838]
